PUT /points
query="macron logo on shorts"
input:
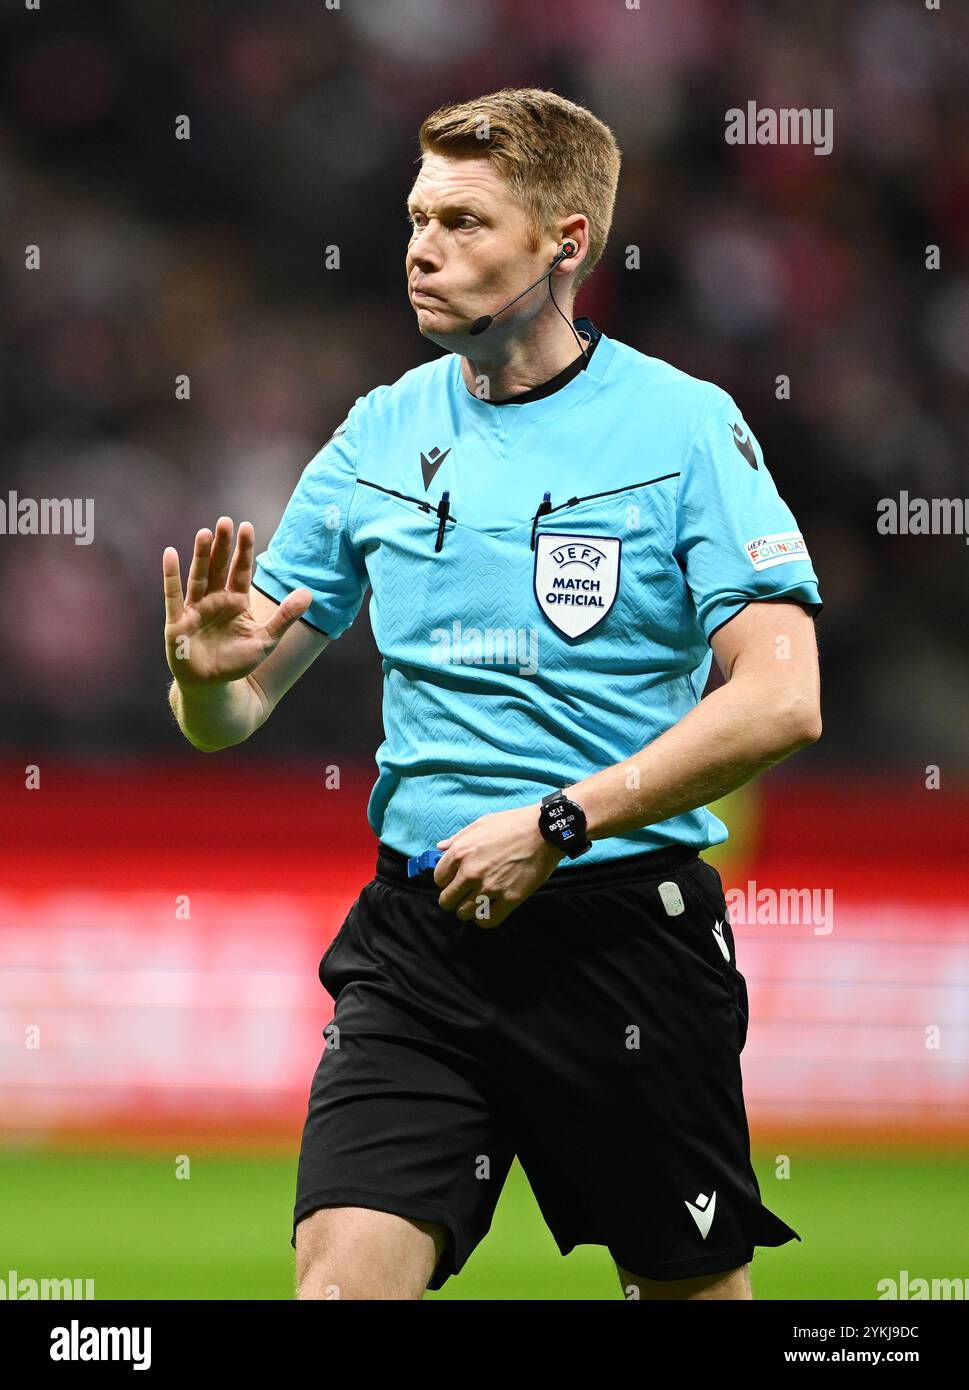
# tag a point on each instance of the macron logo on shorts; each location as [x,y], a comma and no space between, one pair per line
[702,1212]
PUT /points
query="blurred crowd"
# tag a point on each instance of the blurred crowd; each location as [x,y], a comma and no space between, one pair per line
[205,257]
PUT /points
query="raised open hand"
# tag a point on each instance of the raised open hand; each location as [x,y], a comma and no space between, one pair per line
[211,635]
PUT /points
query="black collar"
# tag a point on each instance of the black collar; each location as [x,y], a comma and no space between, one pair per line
[562,378]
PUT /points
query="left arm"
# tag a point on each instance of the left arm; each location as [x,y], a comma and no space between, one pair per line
[768,708]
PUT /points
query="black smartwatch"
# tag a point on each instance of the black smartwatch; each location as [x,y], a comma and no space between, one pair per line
[562,823]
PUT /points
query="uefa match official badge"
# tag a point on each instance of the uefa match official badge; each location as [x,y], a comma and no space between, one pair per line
[576,579]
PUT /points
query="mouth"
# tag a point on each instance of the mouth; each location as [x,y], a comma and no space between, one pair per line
[419,294]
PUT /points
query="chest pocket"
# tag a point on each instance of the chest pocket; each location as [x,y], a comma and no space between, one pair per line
[604,564]
[596,569]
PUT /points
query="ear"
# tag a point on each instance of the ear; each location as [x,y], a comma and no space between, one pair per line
[575,230]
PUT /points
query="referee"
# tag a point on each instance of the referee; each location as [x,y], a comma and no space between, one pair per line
[559,534]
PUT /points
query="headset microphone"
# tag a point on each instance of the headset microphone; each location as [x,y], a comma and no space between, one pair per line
[569,248]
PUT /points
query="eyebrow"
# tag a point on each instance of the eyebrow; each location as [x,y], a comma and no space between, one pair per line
[459,207]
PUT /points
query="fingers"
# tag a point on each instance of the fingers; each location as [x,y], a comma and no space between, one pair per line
[293,606]
[445,868]
[459,890]
[211,567]
[198,575]
[462,895]
[488,913]
[173,585]
[240,571]
[221,551]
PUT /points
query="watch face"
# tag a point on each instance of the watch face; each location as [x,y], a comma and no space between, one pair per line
[559,821]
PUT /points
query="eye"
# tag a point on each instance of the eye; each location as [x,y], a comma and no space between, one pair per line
[416,220]
[465,222]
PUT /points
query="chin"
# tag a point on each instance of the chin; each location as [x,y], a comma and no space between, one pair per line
[439,338]
[429,327]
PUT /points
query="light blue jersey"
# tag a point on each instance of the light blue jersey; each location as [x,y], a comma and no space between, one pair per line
[529,644]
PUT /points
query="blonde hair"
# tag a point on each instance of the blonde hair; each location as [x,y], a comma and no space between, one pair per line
[557,157]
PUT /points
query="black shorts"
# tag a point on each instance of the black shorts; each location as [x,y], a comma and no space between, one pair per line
[593,1033]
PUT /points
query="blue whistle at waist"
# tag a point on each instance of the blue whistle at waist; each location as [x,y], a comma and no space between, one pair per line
[426,860]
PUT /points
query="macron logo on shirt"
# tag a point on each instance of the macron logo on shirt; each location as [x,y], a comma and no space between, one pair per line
[431,463]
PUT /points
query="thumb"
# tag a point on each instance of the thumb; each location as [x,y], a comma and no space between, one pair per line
[292,608]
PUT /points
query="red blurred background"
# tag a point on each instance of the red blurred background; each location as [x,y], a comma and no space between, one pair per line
[163,927]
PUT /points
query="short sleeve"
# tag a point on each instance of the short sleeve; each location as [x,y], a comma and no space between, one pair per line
[311,547]
[736,538]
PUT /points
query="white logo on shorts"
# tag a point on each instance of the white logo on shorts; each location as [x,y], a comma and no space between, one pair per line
[671,898]
[702,1212]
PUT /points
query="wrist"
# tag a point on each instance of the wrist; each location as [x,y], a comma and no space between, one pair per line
[216,714]
[562,825]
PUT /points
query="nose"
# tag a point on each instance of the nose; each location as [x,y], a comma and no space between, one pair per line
[423,250]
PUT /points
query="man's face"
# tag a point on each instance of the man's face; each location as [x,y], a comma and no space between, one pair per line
[469,250]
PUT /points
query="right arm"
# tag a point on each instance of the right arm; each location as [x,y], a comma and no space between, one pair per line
[232,651]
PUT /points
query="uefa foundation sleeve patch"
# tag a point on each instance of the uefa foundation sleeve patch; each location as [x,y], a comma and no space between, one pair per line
[764,552]
[725,490]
